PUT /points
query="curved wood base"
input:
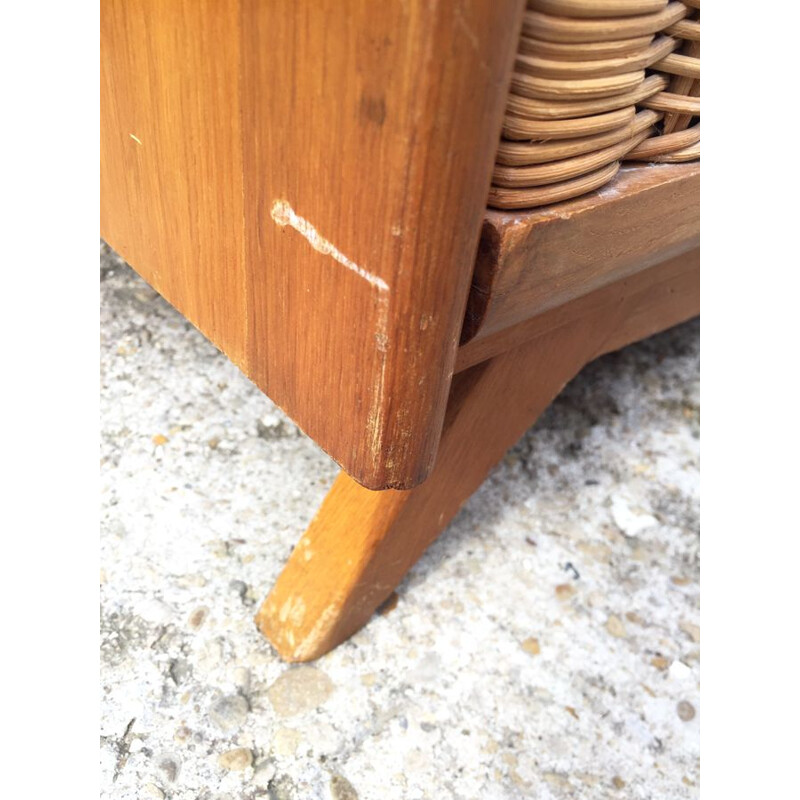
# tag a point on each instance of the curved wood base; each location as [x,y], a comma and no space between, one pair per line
[361,543]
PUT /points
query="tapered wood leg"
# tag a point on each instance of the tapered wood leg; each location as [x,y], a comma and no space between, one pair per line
[361,543]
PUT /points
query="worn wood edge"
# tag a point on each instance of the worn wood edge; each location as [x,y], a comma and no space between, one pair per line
[481,349]
[498,225]
[295,597]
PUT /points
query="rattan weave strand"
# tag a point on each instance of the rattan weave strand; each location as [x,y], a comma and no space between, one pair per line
[597,82]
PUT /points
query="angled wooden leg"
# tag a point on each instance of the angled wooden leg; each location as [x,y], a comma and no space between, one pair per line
[361,542]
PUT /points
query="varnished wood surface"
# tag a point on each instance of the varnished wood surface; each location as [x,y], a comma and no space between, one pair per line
[171,199]
[361,543]
[531,261]
[305,182]
[677,277]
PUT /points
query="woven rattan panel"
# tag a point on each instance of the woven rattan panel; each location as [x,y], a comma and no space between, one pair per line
[597,82]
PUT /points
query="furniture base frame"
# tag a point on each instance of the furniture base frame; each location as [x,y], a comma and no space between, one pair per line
[361,542]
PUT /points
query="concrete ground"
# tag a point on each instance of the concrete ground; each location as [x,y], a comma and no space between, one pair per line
[546,646]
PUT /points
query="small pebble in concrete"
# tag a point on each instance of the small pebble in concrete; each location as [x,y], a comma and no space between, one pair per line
[229,713]
[531,645]
[263,773]
[616,627]
[198,617]
[182,734]
[299,689]
[692,631]
[286,741]
[179,670]
[342,789]
[236,760]
[635,618]
[283,788]
[169,768]
[686,710]
[241,677]
[239,588]
[564,591]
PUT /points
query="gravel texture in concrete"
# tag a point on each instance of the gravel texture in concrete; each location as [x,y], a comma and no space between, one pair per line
[546,646]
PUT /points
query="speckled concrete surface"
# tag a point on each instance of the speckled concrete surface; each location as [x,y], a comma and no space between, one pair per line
[547,646]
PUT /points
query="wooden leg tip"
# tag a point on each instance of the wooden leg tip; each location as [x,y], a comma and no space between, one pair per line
[282,625]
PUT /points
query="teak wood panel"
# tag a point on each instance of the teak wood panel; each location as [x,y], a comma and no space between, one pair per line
[531,261]
[305,181]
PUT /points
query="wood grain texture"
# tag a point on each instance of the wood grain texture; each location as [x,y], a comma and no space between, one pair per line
[171,170]
[677,277]
[361,543]
[305,182]
[534,260]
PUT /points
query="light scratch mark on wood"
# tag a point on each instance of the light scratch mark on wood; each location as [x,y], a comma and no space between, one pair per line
[135,138]
[284,214]
[310,646]
[374,424]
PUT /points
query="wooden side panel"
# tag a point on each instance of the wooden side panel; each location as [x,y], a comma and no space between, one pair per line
[380,129]
[170,156]
[309,192]
[532,261]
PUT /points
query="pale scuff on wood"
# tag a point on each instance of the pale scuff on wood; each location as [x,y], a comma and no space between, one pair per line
[284,215]
[310,645]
